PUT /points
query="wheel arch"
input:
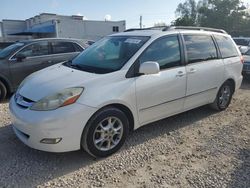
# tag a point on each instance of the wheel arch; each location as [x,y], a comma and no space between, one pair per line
[232,82]
[124,109]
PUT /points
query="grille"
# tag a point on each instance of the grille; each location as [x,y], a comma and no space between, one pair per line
[23,101]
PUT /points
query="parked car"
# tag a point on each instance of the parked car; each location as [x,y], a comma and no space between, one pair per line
[243,43]
[121,83]
[25,57]
[246,66]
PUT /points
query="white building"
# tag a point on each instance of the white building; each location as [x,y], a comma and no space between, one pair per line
[52,25]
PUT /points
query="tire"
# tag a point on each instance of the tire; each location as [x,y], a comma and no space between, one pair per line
[223,98]
[105,133]
[3,91]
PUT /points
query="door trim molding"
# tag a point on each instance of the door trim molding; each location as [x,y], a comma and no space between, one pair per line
[143,109]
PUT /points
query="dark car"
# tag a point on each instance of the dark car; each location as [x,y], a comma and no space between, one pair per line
[20,59]
[246,66]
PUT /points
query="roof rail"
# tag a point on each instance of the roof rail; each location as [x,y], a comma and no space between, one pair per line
[195,28]
[148,28]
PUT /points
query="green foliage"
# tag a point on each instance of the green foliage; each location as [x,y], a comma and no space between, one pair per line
[229,15]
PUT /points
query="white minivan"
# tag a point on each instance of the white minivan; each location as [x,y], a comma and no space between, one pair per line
[123,82]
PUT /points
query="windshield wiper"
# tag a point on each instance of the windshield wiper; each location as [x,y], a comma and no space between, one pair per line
[75,66]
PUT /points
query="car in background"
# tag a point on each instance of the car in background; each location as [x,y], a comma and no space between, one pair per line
[20,59]
[243,43]
[246,66]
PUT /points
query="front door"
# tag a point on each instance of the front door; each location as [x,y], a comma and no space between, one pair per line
[35,57]
[161,95]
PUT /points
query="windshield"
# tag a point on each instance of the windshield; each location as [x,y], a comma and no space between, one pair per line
[108,54]
[8,50]
[241,42]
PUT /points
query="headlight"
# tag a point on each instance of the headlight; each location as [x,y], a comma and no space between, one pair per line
[60,99]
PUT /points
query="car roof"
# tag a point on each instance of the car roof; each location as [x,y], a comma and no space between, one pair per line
[51,39]
[151,33]
[82,42]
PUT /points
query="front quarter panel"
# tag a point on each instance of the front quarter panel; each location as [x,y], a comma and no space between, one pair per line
[114,89]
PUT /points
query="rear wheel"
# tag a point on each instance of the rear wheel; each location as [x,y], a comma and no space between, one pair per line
[223,97]
[105,133]
[3,91]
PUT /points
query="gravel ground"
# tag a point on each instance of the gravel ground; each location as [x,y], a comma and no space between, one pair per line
[199,148]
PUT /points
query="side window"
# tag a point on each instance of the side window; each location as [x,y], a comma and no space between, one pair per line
[36,49]
[77,47]
[200,48]
[62,47]
[165,51]
[227,48]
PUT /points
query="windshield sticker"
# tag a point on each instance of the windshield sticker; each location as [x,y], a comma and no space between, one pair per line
[132,41]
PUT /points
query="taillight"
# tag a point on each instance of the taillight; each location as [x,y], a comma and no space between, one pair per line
[242,59]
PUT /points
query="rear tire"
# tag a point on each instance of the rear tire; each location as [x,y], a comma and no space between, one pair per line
[105,133]
[223,98]
[3,91]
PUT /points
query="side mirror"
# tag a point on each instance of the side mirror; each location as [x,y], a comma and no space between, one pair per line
[149,67]
[20,57]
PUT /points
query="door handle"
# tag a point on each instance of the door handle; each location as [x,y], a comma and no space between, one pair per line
[192,70]
[49,61]
[180,74]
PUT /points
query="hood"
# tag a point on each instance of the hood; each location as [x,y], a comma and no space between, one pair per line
[53,79]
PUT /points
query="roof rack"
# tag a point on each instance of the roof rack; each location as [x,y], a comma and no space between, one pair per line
[195,28]
[148,28]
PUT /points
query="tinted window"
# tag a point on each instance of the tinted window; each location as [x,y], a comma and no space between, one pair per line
[242,42]
[227,48]
[108,54]
[36,49]
[77,47]
[10,49]
[200,48]
[165,51]
[62,47]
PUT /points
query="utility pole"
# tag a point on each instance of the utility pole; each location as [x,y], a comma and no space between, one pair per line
[140,21]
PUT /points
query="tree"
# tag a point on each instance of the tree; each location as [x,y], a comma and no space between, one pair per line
[187,13]
[229,15]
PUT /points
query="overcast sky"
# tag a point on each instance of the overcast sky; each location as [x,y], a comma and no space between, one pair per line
[152,11]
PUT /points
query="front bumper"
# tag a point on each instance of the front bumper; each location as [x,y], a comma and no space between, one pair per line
[67,123]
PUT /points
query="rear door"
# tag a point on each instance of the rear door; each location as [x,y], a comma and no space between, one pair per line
[64,50]
[36,58]
[204,68]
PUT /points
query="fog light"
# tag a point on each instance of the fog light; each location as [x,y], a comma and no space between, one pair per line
[51,140]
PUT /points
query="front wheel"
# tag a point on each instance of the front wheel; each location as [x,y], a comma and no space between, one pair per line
[223,97]
[105,133]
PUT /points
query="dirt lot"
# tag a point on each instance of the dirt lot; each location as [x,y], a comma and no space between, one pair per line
[199,148]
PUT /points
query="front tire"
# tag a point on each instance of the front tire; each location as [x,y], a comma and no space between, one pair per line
[3,91]
[223,98]
[105,133]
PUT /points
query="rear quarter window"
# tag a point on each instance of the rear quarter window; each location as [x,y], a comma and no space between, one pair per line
[226,46]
